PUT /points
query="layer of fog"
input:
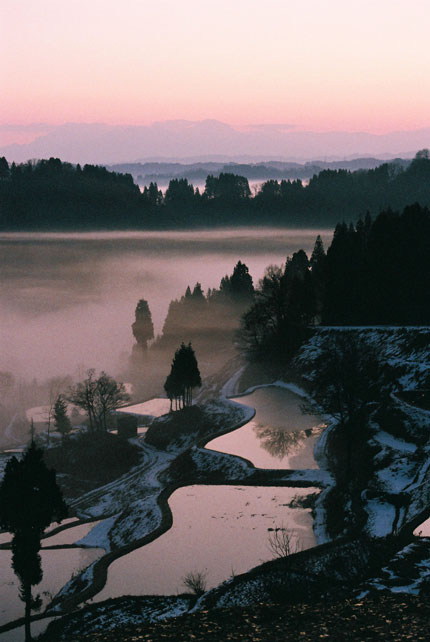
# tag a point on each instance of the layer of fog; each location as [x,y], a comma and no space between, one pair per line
[67,300]
[199,184]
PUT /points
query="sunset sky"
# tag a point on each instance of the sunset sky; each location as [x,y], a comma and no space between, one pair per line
[320,65]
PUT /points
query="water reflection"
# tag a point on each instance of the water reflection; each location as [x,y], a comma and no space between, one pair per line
[58,567]
[280,435]
[279,443]
[423,530]
[217,530]
[18,634]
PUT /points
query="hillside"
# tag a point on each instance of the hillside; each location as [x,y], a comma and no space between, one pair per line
[367,555]
[51,194]
[366,577]
[390,618]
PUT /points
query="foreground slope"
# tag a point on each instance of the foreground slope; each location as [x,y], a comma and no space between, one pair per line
[388,618]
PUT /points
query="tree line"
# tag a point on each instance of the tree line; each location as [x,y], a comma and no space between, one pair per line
[206,318]
[51,194]
[375,272]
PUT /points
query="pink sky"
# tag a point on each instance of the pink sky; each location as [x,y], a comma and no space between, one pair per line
[320,65]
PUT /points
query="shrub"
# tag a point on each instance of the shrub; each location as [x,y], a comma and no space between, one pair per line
[196,582]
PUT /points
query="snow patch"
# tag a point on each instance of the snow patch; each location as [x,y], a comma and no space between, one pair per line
[385,439]
[231,387]
[98,537]
[381,517]
[292,387]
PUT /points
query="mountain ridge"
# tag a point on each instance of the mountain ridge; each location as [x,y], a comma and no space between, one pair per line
[107,144]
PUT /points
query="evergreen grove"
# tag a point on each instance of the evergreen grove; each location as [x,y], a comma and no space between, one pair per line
[51,194]
[375,272]
[184,376]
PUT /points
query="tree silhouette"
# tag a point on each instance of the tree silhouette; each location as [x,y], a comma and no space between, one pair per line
[197,294]
[227,187]
[239,285]
[184,376]
[61,421]
[349,380]
[174,389]
[378,271]
[179,193]
[143,328]
[277,322]
[4,168]
[185,317]
[152,196]
[29,501]
[318,270]
[318,254]
[98,397]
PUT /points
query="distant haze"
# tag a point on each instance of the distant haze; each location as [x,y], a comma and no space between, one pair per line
[205,140]
[322,65]
[293,80]
[68,300]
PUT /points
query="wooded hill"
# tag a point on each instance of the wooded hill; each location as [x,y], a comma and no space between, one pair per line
[52,195]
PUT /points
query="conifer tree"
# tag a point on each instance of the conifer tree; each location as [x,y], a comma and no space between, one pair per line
[238,286]
[29,501]
[184,376]
[318,272]
[143,328]
[318,254]
[198,295]
[4,168]
[61,421]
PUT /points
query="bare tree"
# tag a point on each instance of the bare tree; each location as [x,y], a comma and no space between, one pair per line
[282,543]
[109,395]
[98,397]
[83,395]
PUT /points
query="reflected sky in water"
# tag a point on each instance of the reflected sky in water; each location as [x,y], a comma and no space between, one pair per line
[217,530]
[58,567]
[278,442]
[279,436]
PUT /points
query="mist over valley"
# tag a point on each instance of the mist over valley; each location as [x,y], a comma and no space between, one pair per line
[68,300]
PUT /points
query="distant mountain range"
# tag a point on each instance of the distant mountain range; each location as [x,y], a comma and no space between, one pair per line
[209,140]
[162,172]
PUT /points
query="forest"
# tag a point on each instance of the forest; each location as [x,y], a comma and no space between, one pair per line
[54,195]
[375,272]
